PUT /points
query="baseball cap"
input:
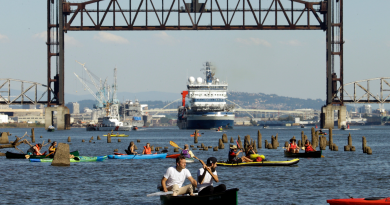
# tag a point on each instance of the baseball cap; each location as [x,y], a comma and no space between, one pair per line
[211,160]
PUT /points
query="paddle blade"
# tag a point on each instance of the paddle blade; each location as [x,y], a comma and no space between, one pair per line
[174,144]
[160,193]
[322,156]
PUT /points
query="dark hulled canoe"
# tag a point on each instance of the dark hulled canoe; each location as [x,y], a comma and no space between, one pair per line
[228,197]
[11,155]
[262,163]
[316,154]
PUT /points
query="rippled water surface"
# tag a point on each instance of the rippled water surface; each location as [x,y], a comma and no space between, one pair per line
[312,181]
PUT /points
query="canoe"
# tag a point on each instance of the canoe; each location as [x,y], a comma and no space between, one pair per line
[11,155]
[144,156]
[173,156]
[228,197]
[81,159]
[360,201]
[316,154]
[262,163]
[120,135]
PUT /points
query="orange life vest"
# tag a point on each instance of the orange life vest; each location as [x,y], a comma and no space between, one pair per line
[309,148]
[148,150]
[292,147]
[35,151]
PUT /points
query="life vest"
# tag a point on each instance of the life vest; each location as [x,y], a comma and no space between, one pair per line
[148,150]
[185,153]
[309,148]
[292,147]
[52,149]
[35,151]
[232,156]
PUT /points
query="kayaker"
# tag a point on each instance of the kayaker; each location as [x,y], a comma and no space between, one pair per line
[130,149]
[147,149]
[293,147]
[205,180]
[52,148]
[174,178]
[251,154]
[308,147]
[186,152]
[321,132]
[35,150]
[233,155]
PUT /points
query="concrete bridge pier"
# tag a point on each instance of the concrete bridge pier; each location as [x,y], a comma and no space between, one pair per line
[327,116]
[63,117]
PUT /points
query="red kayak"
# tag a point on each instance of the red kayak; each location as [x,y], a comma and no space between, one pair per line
[117,153]
[360,201]
[173,156]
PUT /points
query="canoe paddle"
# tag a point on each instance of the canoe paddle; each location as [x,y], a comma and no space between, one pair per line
[207,168]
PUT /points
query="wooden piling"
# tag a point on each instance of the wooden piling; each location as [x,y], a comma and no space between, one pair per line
[259,139]
[266,144]
[274,143]
[364,143]
[119,140]
[92,138]
[82,140]
[176,149]
[224,138]
[247,141]
[69,139]
[32,135]
[108,138]
[369,150]
[215,149]
[98,137]
[138,141]
[239,141]
[220,144]
[231,140]
[49,140]
[330,138]
[116,150]
[349,139]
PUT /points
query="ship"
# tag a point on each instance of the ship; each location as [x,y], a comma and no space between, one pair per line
[134,112]
[110,122]
[207,107]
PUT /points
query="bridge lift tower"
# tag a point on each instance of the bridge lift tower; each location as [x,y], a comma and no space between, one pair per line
[139,15]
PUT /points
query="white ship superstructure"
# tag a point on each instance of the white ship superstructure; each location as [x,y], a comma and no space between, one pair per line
[208,108]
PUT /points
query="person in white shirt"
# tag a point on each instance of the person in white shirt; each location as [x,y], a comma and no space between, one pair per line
[205,180]
[175,176]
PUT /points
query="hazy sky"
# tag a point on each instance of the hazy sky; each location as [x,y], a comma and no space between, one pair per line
[286,63]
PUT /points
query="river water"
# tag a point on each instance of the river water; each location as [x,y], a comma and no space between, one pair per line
[312,181]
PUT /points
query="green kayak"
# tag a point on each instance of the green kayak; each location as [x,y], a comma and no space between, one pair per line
[76,159]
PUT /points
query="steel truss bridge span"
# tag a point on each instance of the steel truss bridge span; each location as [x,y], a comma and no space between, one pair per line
[28,93]
[362,91]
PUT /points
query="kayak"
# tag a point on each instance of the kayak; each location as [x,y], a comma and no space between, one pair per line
[11,155]
[262,163]
[227,197]
[144,156]
[120,135]
[173,156]
[360,201]
[316,154]
[80,159]
[324,133]
[193,135]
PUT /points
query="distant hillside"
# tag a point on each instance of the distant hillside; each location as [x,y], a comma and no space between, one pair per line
[245,100]
[273,102]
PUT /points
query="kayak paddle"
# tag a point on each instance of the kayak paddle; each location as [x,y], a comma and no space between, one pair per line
[160,193]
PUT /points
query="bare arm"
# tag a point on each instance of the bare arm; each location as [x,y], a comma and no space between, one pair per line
[143,152]
[163,184]
[193,181]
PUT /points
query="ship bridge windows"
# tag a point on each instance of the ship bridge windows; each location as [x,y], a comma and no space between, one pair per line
[207,87]
[208,100]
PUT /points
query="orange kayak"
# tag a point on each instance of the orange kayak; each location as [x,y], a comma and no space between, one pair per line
[360,201]
[173,156]
[193,135]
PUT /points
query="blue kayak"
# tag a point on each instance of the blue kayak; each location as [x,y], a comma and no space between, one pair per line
[144,156]
[76,159]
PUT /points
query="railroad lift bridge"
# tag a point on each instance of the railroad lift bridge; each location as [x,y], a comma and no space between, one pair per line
[210,15]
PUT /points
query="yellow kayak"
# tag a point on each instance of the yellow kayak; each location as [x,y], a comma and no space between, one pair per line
[120,135]
[262,163]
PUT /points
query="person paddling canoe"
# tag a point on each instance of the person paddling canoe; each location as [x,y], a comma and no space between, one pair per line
[174,178]
[233,155]
[293,147]
[308,147]
[35,150]
[251,154]
[52,148]
[205,181]
[147,149]
[186,152]
[130,149]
